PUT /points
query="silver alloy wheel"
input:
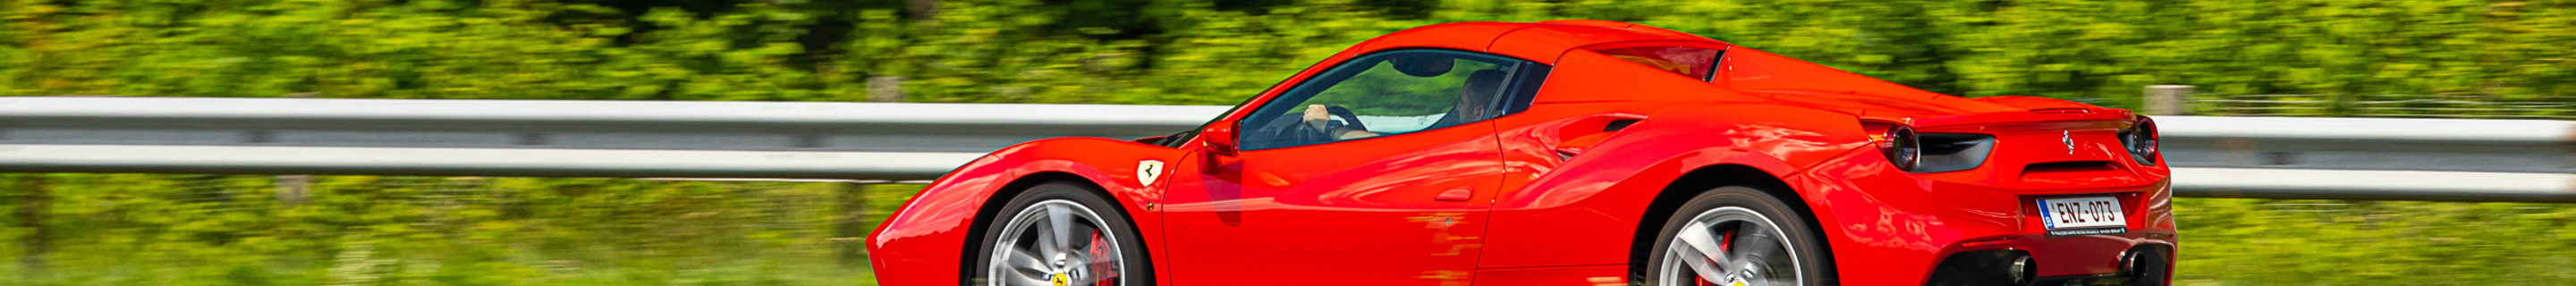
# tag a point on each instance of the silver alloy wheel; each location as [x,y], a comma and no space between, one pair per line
[1727,246]
[1055,243]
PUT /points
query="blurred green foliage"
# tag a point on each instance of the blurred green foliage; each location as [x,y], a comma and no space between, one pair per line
[171,230]
[1218,52]
[131,229]
[2318,242]
[1381,90]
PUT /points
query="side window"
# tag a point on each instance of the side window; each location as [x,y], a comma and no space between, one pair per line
[1385,94]
[1694,62]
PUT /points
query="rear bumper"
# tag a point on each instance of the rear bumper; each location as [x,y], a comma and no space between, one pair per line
[2058,260]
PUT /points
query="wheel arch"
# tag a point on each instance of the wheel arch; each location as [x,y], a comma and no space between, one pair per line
[1700,180]
[927,240]
[1001,197]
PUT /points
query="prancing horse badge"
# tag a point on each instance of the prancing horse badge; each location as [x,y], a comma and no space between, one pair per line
[1147,170]
[2069,137]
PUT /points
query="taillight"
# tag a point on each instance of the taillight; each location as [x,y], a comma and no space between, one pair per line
[1898,143]
[2140,140]
[1928,152]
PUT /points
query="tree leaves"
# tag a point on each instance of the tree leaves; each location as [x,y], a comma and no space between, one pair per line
[367,230]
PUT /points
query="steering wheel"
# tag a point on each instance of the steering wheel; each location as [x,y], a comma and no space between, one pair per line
[1352,119]
[1303,133]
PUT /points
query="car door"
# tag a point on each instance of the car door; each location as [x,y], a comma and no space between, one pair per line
[1384,182]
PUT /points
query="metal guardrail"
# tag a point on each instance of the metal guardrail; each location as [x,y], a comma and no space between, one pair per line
[893,141]
[2435,106]
[2267,157]
[2372,158]
[2404,144]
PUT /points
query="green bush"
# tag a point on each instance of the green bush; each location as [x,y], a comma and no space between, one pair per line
[2318,242]
[1216,52]
[170,230]
[128,229]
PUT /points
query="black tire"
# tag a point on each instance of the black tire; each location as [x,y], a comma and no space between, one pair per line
[1135,268]
[1731,204]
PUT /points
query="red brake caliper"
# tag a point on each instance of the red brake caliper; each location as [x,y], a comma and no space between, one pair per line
[1724,244]
[1101,271]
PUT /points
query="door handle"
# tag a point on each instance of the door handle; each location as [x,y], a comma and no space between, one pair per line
[1460,194]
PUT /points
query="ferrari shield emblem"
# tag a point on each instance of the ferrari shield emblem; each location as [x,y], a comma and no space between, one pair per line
[1147,170]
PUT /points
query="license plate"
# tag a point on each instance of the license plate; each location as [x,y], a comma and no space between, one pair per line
[2083,216]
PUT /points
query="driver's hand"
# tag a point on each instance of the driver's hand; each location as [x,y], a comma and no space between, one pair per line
[1316,116]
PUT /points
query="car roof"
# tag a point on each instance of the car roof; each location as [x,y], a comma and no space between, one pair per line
[1541,41]
[1765,74]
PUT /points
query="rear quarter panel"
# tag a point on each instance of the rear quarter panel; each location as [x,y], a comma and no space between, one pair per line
[1583,210]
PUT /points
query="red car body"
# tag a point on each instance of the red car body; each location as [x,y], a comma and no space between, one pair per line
[1555,195]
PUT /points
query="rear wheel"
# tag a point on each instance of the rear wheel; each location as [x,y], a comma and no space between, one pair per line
[1060,234]
[1737,236]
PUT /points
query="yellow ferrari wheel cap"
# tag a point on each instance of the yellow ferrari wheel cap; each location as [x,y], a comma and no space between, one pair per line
[1061,280]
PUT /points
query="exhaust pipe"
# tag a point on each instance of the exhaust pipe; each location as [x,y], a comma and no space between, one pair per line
[1986,268]
[2145,267]
[2021,270]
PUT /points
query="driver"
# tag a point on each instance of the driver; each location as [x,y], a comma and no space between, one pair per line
[1475,100]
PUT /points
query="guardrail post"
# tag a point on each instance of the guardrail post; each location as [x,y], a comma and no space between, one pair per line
[885,89]
[292,189]
[922,9]
[31,214]
[850,229]
[2168,100]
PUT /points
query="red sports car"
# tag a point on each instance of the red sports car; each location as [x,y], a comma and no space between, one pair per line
[1564,153]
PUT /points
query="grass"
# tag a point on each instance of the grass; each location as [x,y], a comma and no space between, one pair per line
[632,232]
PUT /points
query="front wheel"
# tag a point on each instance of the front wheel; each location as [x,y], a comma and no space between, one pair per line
[1060,234]
[1737,236]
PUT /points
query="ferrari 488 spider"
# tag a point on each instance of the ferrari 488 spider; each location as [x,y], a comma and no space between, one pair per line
[1564,153]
